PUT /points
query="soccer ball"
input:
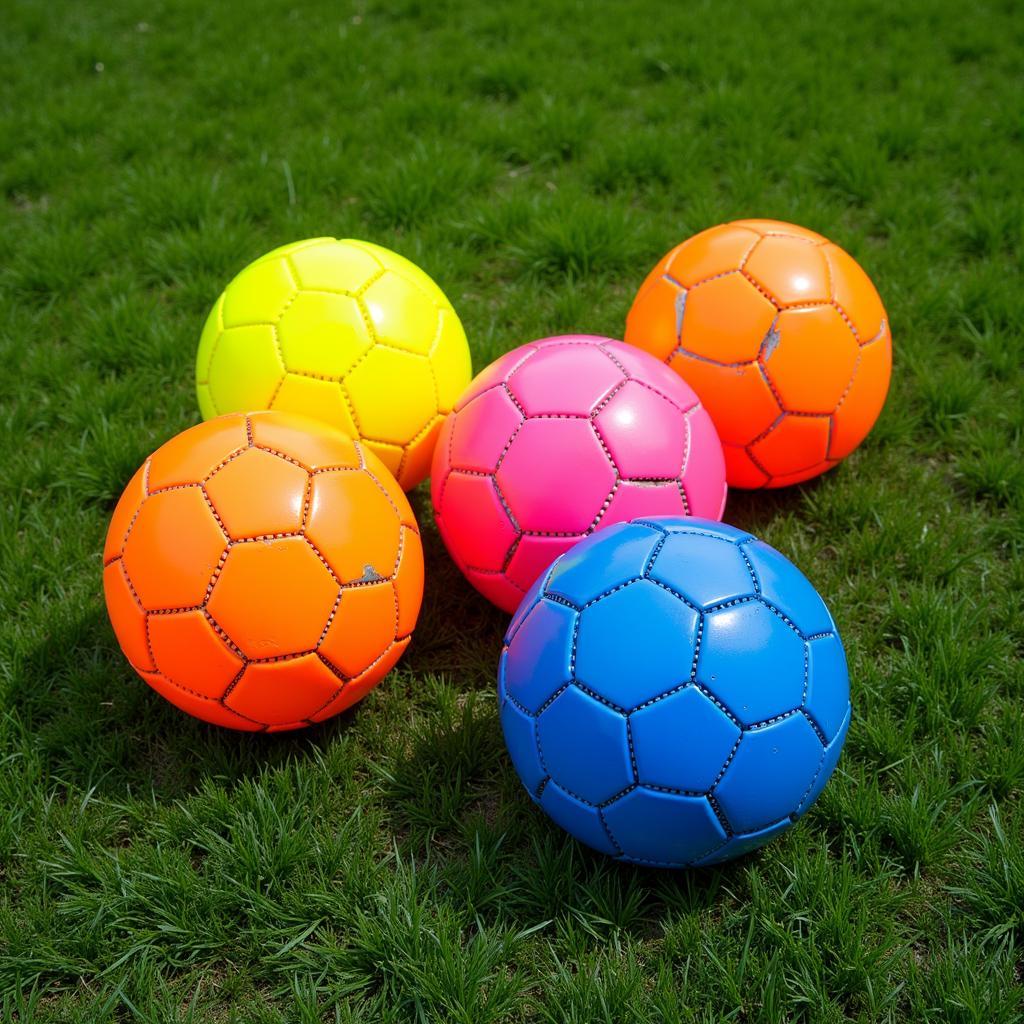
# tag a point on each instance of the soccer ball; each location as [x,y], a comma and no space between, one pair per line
[263,572]
[346,332]
[673,692]
[557,439]
[782,335]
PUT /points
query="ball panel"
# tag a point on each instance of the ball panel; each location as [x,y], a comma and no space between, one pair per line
[259,294]
[354,525]
[127,617]
[408,582]
[323,400]
[705,570]
[712,252]
[738,399]
[538,661]
[828,765]
[584,746]
[564,379]
[450,358]
[555,476]
[687,828]
[409,385]
[363,625]
[283,692]
[828,684]
[306,441]
[811,366]
[356,689]
[482,430]
[741,470]
[577,818]
[630,500]
[323,334]
[580,578]
[257,493]
[477,528]
[125,511]
[792,270]
[751,661]
[797,443]
[402,314]
[657,623]
[854,293]
[725,320]
[245,369]
[770,773]
[654,318]
[739,845]
[273,598]
[333,264]
[647,435]
[191,456]
[173,549]
[782,584]
[682,741]
[203,708]
[532,555]
[521,740]
[859,409]
[189,653]
[704,481]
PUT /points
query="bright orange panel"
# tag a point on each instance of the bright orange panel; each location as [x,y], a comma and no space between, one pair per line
[653,320]
[128,504]
[737,398]
[127,618]
[259,493]
[362,628]
[189,653]
[355,690]
[310,442]
[726,319]
[273,597]
[857,415]
[409,581]
[207,710]
[740,469]
[813,360]
[355,525]
[283,692]
[714,251]
[854,292]
[790,269]
[195,453]
[173,549]
[796,444]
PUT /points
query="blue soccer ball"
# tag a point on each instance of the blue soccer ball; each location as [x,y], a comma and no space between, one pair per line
[673,692]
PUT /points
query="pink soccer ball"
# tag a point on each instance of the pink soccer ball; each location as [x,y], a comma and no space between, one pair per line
[557,439]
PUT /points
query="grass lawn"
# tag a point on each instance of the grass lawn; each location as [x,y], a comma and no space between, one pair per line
[536,158]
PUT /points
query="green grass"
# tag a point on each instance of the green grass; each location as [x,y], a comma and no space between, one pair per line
[536,158]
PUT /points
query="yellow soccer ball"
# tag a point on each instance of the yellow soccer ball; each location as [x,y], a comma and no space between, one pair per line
[345,331]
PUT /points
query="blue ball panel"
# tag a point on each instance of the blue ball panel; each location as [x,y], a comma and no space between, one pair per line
[576,818]
[770,773]
[663,828]
[539,660]
[832,752]
[703,569]
[584,746]
[636,644]
[521,740]
[694,524]
[786,587]
[625,552]
[530,598]
[751,661]
[682,741]
[741,844]
[828,684]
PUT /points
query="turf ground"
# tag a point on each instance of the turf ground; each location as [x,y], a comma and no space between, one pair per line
[536,158]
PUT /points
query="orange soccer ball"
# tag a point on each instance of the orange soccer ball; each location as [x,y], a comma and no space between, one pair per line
[263,572]
[783,337]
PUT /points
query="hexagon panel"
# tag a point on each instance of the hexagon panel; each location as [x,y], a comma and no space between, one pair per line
[646,434]
[258,493]
[564,379]
[706,570]
[538,661]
